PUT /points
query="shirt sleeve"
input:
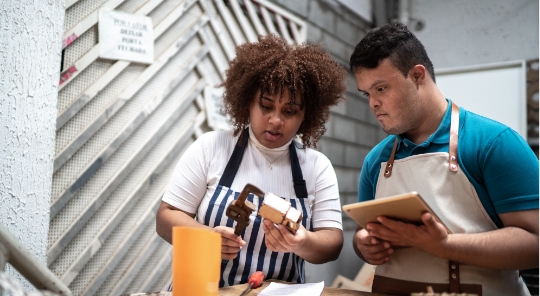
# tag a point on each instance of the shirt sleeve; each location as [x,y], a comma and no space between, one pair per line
[511,175]
[366,184]
[326,206]
[188,182]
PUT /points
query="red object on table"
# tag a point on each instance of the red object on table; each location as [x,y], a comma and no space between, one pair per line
[255,281]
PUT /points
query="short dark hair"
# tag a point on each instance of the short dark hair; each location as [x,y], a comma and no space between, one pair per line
[393,41]
[271,65]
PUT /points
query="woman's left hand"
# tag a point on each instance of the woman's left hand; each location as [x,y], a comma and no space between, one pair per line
[280,239]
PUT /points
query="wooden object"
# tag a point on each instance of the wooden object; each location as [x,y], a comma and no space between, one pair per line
[362,281]
[279,211]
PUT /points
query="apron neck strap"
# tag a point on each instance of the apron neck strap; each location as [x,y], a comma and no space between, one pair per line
[452,146]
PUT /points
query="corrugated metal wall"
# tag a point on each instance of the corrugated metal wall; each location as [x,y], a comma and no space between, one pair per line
[122,126]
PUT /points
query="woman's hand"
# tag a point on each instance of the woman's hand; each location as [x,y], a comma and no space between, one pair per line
[280,239]
[231,243]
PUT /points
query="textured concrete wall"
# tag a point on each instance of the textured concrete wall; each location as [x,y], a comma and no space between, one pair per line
[30,43]
[461,32]
[352,131]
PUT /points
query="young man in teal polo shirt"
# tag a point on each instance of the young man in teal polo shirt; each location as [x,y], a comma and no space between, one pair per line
[479,176]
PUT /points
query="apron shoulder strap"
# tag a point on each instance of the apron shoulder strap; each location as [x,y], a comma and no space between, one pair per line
[390,162]
[299,183]
[454,127]
[234,162]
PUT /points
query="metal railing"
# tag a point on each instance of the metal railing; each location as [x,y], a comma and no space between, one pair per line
[14,253]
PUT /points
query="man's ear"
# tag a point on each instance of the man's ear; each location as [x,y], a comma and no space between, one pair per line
[418,74]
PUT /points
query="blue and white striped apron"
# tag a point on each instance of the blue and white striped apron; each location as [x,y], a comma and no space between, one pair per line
[255,256]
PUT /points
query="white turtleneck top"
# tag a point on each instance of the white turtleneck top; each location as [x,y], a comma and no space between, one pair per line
[197,174]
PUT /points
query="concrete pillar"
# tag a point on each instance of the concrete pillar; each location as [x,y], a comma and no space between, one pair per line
[30,52]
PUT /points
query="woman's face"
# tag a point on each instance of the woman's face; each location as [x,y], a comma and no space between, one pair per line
[275,123]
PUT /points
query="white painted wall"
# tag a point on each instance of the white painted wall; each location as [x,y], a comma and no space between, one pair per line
[464,33]
[361,7]
[30,47]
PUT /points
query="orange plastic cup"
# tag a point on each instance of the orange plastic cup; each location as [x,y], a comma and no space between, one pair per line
[196,261]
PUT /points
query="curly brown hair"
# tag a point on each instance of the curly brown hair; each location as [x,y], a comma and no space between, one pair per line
[271,65]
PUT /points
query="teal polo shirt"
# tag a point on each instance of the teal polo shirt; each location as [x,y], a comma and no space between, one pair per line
[497,161]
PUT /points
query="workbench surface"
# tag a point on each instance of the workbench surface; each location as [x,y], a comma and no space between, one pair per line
[238,289]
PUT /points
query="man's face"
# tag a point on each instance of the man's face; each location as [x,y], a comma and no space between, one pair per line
[275,123]
[393,98]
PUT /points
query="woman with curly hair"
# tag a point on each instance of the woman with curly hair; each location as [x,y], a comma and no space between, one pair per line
[273,92]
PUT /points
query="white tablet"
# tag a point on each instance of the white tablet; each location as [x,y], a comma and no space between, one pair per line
[407,207]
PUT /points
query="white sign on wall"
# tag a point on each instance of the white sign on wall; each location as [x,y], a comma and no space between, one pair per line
[497,91]
[213,99]
[125,36]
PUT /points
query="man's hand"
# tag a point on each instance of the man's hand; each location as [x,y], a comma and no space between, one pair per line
[230,242]
[280,239]
[374,251]
[429,237]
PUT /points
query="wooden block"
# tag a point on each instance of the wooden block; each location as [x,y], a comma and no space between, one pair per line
[279,211]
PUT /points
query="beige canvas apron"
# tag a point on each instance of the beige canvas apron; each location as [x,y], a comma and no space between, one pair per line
[438,178]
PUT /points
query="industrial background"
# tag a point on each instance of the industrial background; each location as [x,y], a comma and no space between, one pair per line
[88,144]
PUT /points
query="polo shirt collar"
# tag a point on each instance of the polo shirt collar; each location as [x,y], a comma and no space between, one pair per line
[440,136]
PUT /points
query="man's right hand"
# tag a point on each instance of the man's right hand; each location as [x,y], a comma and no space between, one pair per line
[373,250]
[230,242]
